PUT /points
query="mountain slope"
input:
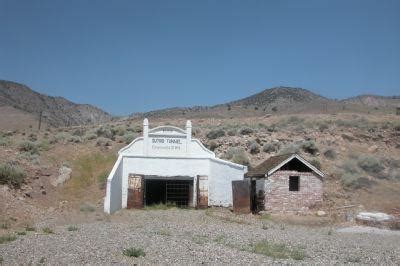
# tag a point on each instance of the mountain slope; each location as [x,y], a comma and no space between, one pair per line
[374,100]
[57,111]
[281,96]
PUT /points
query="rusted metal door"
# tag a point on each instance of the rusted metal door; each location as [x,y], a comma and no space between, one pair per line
[202,191]
[241,196]
[135,192]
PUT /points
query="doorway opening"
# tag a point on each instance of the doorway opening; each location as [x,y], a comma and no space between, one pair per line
[169,191]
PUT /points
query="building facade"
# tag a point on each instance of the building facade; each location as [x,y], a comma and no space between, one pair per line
[286,183]
[166,165]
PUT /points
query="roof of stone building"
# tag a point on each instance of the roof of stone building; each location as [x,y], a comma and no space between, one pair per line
[273,164]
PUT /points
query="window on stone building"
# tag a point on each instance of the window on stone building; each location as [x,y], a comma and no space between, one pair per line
[294,183]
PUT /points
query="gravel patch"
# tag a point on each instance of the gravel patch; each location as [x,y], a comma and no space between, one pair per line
[194,237]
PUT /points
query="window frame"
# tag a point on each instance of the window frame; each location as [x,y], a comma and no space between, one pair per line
[297,188]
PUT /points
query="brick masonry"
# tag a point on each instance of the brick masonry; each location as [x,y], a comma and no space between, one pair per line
[278,198]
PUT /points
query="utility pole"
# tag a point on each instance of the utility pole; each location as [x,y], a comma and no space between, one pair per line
[40,119]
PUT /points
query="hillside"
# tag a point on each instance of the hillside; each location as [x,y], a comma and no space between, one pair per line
[282,100]
[57,111]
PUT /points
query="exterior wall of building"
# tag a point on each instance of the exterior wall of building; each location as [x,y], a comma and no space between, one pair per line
[168,151]
[278,198]
[220,182]
[113,200]
[166,167]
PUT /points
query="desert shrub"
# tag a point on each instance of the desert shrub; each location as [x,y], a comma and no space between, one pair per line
[4,141]
[75,139]
[134,252]
[237,155]
[271,147]
[394,174]
[61,136]
[47,230]
[105,132]
[245,130]
[32,137]
[7,238]
[28,146]
[273,128]
[323,126]
[254,147]
[277,251]
[330,154]
[72,228]
[310,147]
[87,207]
[231,132]
[119,131]
[79,132]
[214,134]
[274,109]
[212,145]
[196,131]
[11,175]
[103,142]
[129,137]
[370,164]
[102,179]
[290,148]
[44,145]
[354,181]
[316,163]
[90,136]
[294,120]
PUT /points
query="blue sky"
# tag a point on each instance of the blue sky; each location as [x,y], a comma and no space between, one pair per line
[132,56]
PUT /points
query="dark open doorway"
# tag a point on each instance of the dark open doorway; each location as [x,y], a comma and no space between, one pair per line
[175,192]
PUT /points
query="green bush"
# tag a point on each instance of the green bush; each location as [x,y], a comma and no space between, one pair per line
[246,131]
[134,252]
[72,228]
[330,154]
[87,207]
[254,147]
[271,147]
[119,131]
[323,126]
[28,146]
[4,141]
[11,175]
[290,148]
[316,163]
[47,230]
[277,251]
[310,147]
[214,134]
[370,164]
[104,142]
[231,132]
[129,137]
[7,238]
[105,132]
[212,145]
[90,136]
[75,139]
[237,155]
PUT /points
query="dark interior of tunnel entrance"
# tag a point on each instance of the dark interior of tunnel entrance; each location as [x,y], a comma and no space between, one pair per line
[174,192]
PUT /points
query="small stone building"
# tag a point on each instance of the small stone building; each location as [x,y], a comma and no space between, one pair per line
[166,165]
[285,183]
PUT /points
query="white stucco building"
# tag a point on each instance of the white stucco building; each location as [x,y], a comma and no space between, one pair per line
[167,165]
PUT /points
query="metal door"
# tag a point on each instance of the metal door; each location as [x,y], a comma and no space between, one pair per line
[135,192]
[202,191]
[241,196]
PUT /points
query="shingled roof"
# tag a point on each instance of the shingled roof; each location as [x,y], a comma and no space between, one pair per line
[275,162]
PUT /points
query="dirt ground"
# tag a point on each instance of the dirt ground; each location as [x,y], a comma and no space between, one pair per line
[180,236]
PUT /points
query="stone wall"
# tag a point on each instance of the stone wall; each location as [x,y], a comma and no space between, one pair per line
[278,198]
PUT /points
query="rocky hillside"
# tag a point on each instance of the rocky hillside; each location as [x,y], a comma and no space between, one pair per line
[56,111]
[283,100]
[374,100]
